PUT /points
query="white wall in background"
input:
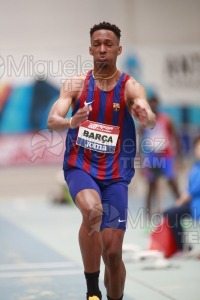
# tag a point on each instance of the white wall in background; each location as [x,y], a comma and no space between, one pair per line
[43,36]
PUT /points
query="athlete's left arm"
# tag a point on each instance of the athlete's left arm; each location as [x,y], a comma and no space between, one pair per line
[135,97]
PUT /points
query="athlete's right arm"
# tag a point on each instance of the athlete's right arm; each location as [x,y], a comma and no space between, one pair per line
[68,95]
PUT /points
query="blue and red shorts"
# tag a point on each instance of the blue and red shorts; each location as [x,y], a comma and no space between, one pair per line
[159,166]
[113,195]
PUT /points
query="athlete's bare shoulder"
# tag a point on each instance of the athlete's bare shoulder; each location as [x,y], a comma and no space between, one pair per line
[73,87]
[134,89]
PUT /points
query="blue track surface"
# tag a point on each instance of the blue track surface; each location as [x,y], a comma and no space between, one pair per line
[31,270]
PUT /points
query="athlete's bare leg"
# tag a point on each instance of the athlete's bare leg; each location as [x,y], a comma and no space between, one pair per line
[115,271]
[151,193]
[174,187]
[159,196]
[89,203]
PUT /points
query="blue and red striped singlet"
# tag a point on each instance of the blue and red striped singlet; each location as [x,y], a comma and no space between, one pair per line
[107,108]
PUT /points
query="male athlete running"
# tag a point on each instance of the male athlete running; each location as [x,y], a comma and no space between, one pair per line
[100,150]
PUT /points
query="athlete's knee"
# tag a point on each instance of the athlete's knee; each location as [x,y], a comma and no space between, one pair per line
[92,217]
[112,256]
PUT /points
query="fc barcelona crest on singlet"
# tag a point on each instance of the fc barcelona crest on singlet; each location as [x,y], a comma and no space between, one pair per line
[116,106]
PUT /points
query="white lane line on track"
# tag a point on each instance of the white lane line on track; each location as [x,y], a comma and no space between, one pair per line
[33,266]
[41,273]
[155,289]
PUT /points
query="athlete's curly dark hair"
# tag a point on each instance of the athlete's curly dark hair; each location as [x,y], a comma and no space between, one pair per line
[107,26]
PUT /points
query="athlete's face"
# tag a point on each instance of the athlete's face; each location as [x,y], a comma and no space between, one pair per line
[104,48]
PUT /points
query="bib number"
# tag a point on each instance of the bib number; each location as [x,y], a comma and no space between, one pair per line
[98,137]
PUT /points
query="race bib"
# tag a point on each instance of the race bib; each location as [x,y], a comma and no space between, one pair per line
[98,137]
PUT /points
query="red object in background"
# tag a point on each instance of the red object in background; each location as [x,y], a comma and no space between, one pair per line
[162,239]
[42,147]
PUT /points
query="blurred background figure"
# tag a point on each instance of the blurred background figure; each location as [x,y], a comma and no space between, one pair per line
[159,149]
[188,204]
[170,236]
